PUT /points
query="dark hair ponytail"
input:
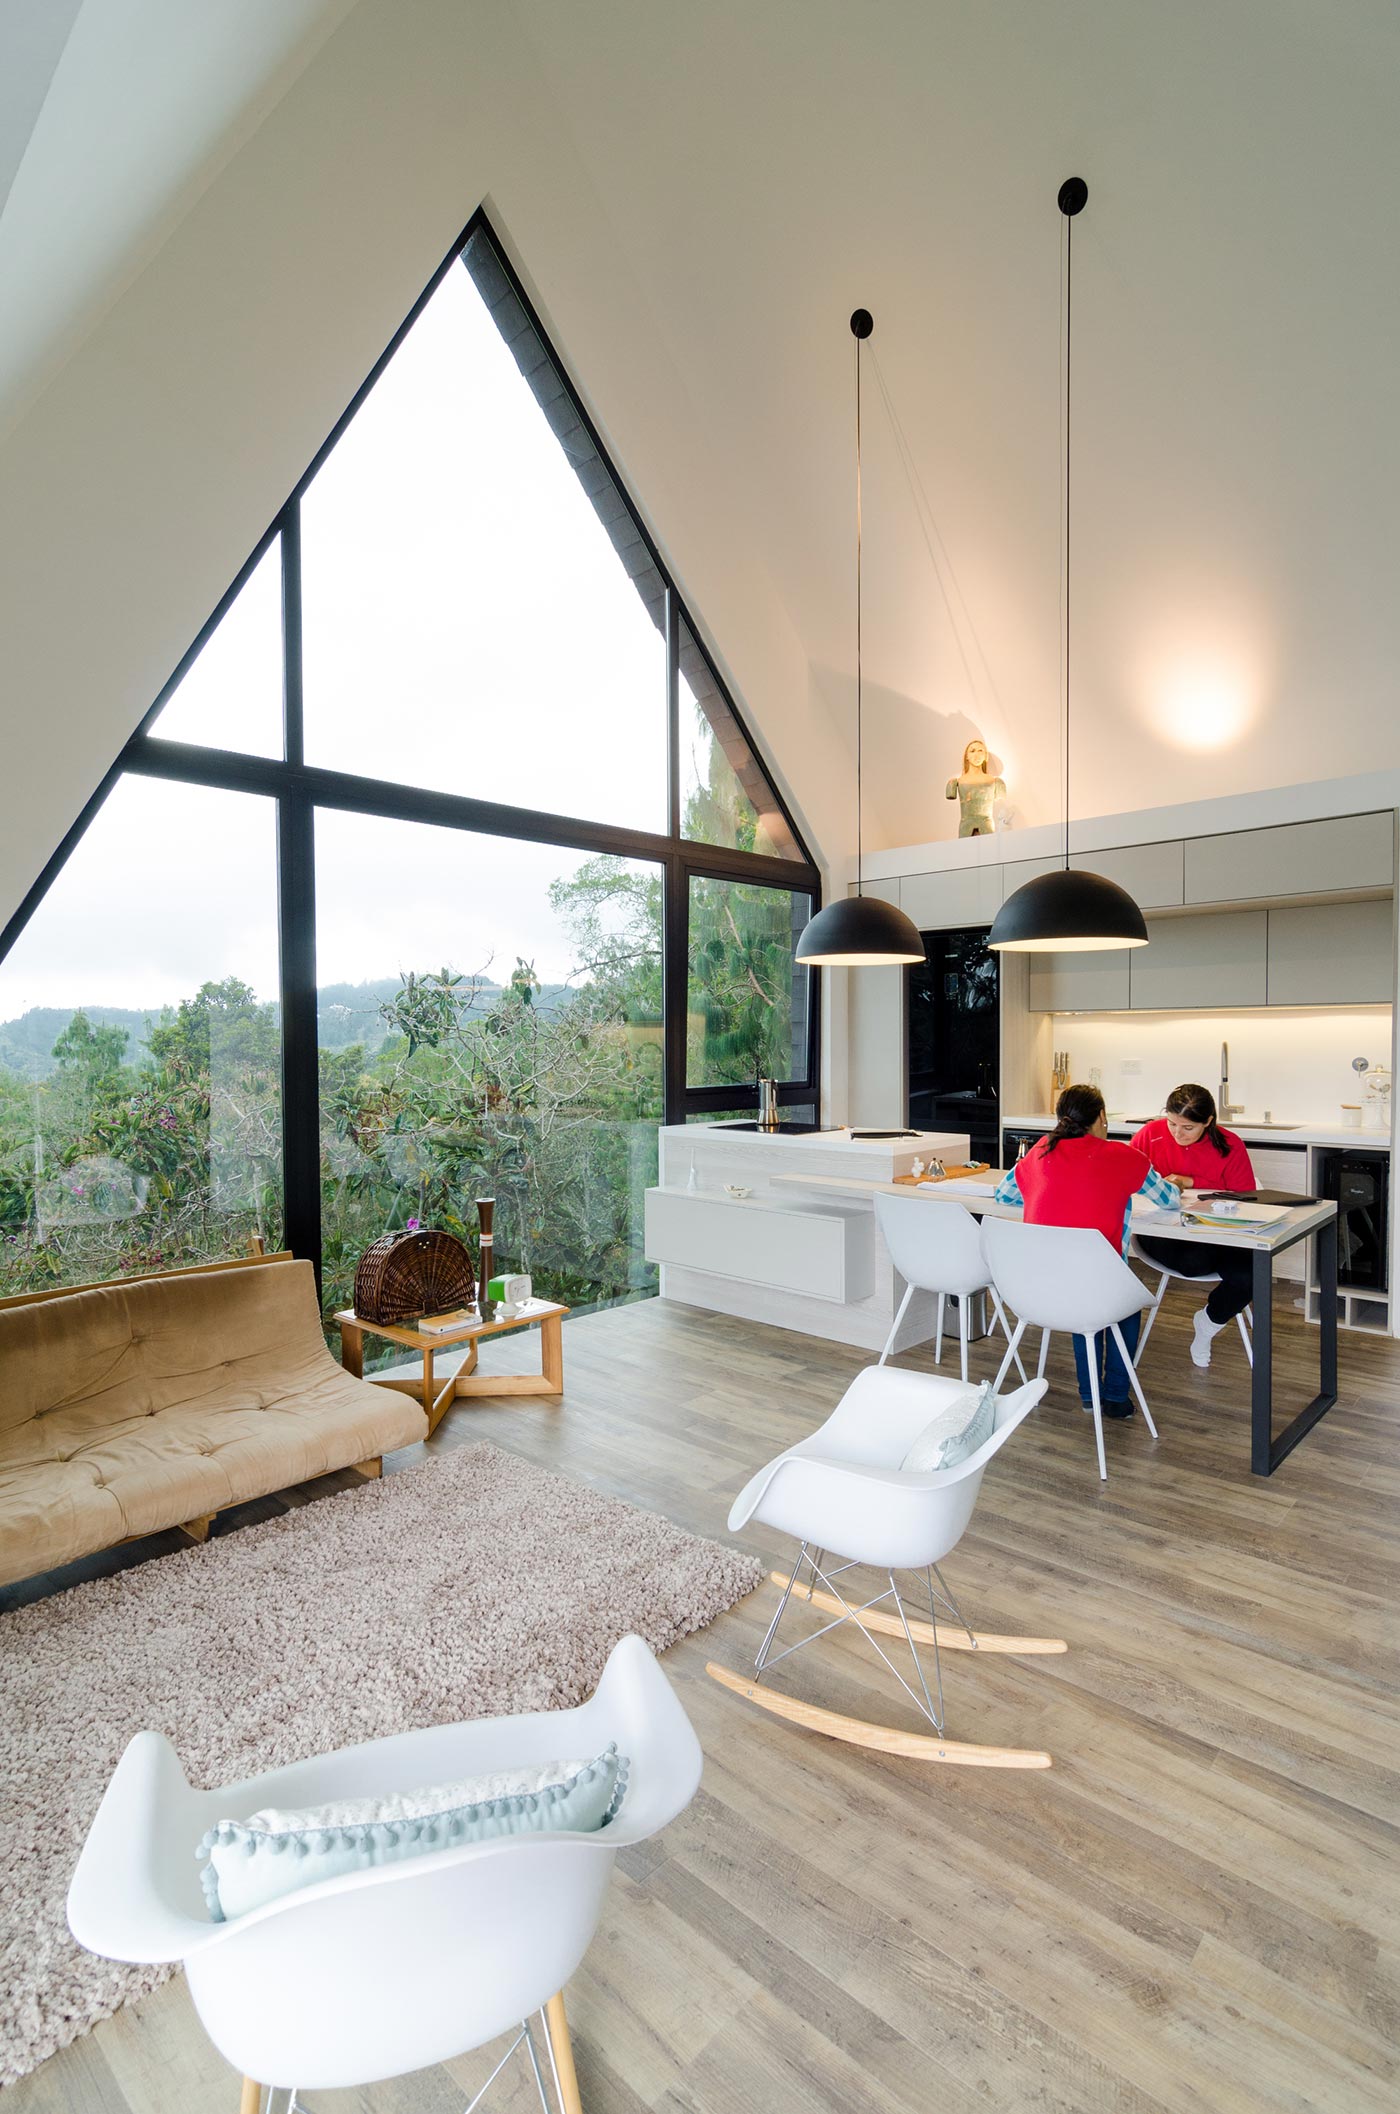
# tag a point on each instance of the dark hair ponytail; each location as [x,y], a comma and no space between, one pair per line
[1076,1112]
[1197,1105]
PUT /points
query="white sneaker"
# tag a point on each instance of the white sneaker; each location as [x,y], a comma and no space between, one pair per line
[1205,1332]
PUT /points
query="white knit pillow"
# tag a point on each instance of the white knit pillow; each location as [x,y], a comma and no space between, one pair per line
[955,1433]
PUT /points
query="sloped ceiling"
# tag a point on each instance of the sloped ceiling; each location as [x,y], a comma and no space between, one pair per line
[114,116]
[698,195]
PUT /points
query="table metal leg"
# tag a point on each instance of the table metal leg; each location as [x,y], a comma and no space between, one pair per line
[1261,1384]
[1266,1451]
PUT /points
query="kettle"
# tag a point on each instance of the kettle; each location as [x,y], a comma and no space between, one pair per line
[767,1104]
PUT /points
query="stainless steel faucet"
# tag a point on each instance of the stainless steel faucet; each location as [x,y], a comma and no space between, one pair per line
[1224,1106]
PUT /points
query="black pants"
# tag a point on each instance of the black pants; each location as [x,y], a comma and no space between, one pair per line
[1233,1266]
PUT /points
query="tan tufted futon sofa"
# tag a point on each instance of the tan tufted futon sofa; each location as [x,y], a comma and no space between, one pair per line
[128,1408]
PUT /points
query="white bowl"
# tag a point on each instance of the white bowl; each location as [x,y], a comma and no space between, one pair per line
[738,1190]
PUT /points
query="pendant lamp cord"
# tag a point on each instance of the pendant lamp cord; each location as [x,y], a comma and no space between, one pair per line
[1065,529]
[860,848]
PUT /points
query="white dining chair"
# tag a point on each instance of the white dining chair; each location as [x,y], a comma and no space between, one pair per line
[1068,1278]
[403,1965]
[845,1496]
[1186,1277]
[936,1247]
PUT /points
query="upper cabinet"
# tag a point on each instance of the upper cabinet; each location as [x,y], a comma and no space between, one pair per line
[1205,961]
[1339,954]
[969,895]
[1080,983]
[1151,873]
[1295,859]
[1318,954]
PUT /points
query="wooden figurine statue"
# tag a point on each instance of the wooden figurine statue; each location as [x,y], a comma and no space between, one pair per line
[976,793]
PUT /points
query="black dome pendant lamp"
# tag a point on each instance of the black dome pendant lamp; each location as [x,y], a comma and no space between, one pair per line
[1070,911]
[859,931]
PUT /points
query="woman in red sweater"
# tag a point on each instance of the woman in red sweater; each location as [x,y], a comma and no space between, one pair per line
[1078,1176]
[1188,1147]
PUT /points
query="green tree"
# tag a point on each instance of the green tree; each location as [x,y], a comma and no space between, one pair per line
[95,1053]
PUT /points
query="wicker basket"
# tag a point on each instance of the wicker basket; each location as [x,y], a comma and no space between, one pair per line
[406,1275]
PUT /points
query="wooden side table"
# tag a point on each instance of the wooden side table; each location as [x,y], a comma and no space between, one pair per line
[466,1383]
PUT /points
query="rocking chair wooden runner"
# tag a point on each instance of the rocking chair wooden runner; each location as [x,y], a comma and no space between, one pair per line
[852,1506]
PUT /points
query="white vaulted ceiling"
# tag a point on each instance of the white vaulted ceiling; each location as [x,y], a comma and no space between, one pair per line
[224,211]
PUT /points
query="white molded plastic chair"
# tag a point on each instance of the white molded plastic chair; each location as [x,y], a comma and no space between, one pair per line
[844,1494]
[1185,1277]
[403,1965]
[936,1247]
[1066,1277]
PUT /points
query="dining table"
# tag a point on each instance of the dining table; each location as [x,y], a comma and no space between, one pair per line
[1310,1219]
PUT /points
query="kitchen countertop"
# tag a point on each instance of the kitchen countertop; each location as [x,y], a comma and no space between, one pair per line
[833,1151]
[1252,1134]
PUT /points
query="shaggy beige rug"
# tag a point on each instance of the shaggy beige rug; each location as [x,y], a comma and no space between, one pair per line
[470,1587]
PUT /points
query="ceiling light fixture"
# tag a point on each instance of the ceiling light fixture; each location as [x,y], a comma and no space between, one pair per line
[859,931]
[1067,911]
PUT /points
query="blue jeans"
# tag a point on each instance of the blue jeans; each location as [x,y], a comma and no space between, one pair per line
[1113,1374]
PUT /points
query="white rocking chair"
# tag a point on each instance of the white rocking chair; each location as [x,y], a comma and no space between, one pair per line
[845,1496]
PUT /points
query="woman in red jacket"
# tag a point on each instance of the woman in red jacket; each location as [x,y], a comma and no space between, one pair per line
[1189,1148]
[1078,1176]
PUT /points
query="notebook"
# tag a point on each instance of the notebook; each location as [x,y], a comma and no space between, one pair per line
[1252,1196]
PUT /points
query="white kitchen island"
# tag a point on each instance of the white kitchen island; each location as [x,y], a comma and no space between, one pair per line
[813,1263]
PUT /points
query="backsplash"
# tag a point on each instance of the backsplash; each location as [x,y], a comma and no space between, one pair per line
[1294,1063]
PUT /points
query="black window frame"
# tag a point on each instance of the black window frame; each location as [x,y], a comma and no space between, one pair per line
[299,788]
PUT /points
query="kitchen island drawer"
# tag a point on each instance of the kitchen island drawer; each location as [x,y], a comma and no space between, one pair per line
[786,1246]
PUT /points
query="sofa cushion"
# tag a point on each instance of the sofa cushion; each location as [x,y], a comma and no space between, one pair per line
[132,1408]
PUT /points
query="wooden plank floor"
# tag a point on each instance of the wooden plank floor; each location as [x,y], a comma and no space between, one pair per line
[1197,1908]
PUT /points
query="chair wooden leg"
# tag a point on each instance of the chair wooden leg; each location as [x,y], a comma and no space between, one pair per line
[198,1529]
[251,2102]
[562,2049]
[370,1469]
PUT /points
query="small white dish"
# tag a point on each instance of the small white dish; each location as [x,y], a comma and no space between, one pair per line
[738,1191]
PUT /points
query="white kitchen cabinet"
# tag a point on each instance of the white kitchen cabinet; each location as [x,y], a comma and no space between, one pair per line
[1203,961]
[969,895]
[883,891]
[1081,983]
[778,1242]
[1339,954]
[1153,874]
[1022,870]
[1294,859]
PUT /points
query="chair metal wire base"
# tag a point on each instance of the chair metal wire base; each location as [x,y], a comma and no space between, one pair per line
[524,2039]
[921,1698]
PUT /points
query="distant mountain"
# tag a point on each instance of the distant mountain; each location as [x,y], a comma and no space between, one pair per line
[345,1013]
[26,1044]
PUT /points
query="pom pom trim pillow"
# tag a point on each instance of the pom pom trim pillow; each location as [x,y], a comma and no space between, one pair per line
[277,1852]
[955,1434]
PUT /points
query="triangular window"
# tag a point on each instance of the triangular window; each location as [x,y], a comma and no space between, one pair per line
[467,621]
[229,695]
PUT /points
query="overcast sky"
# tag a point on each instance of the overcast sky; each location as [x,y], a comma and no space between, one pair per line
[467,624]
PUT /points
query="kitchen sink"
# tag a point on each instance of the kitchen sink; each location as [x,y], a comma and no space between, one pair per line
[1245,1123]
